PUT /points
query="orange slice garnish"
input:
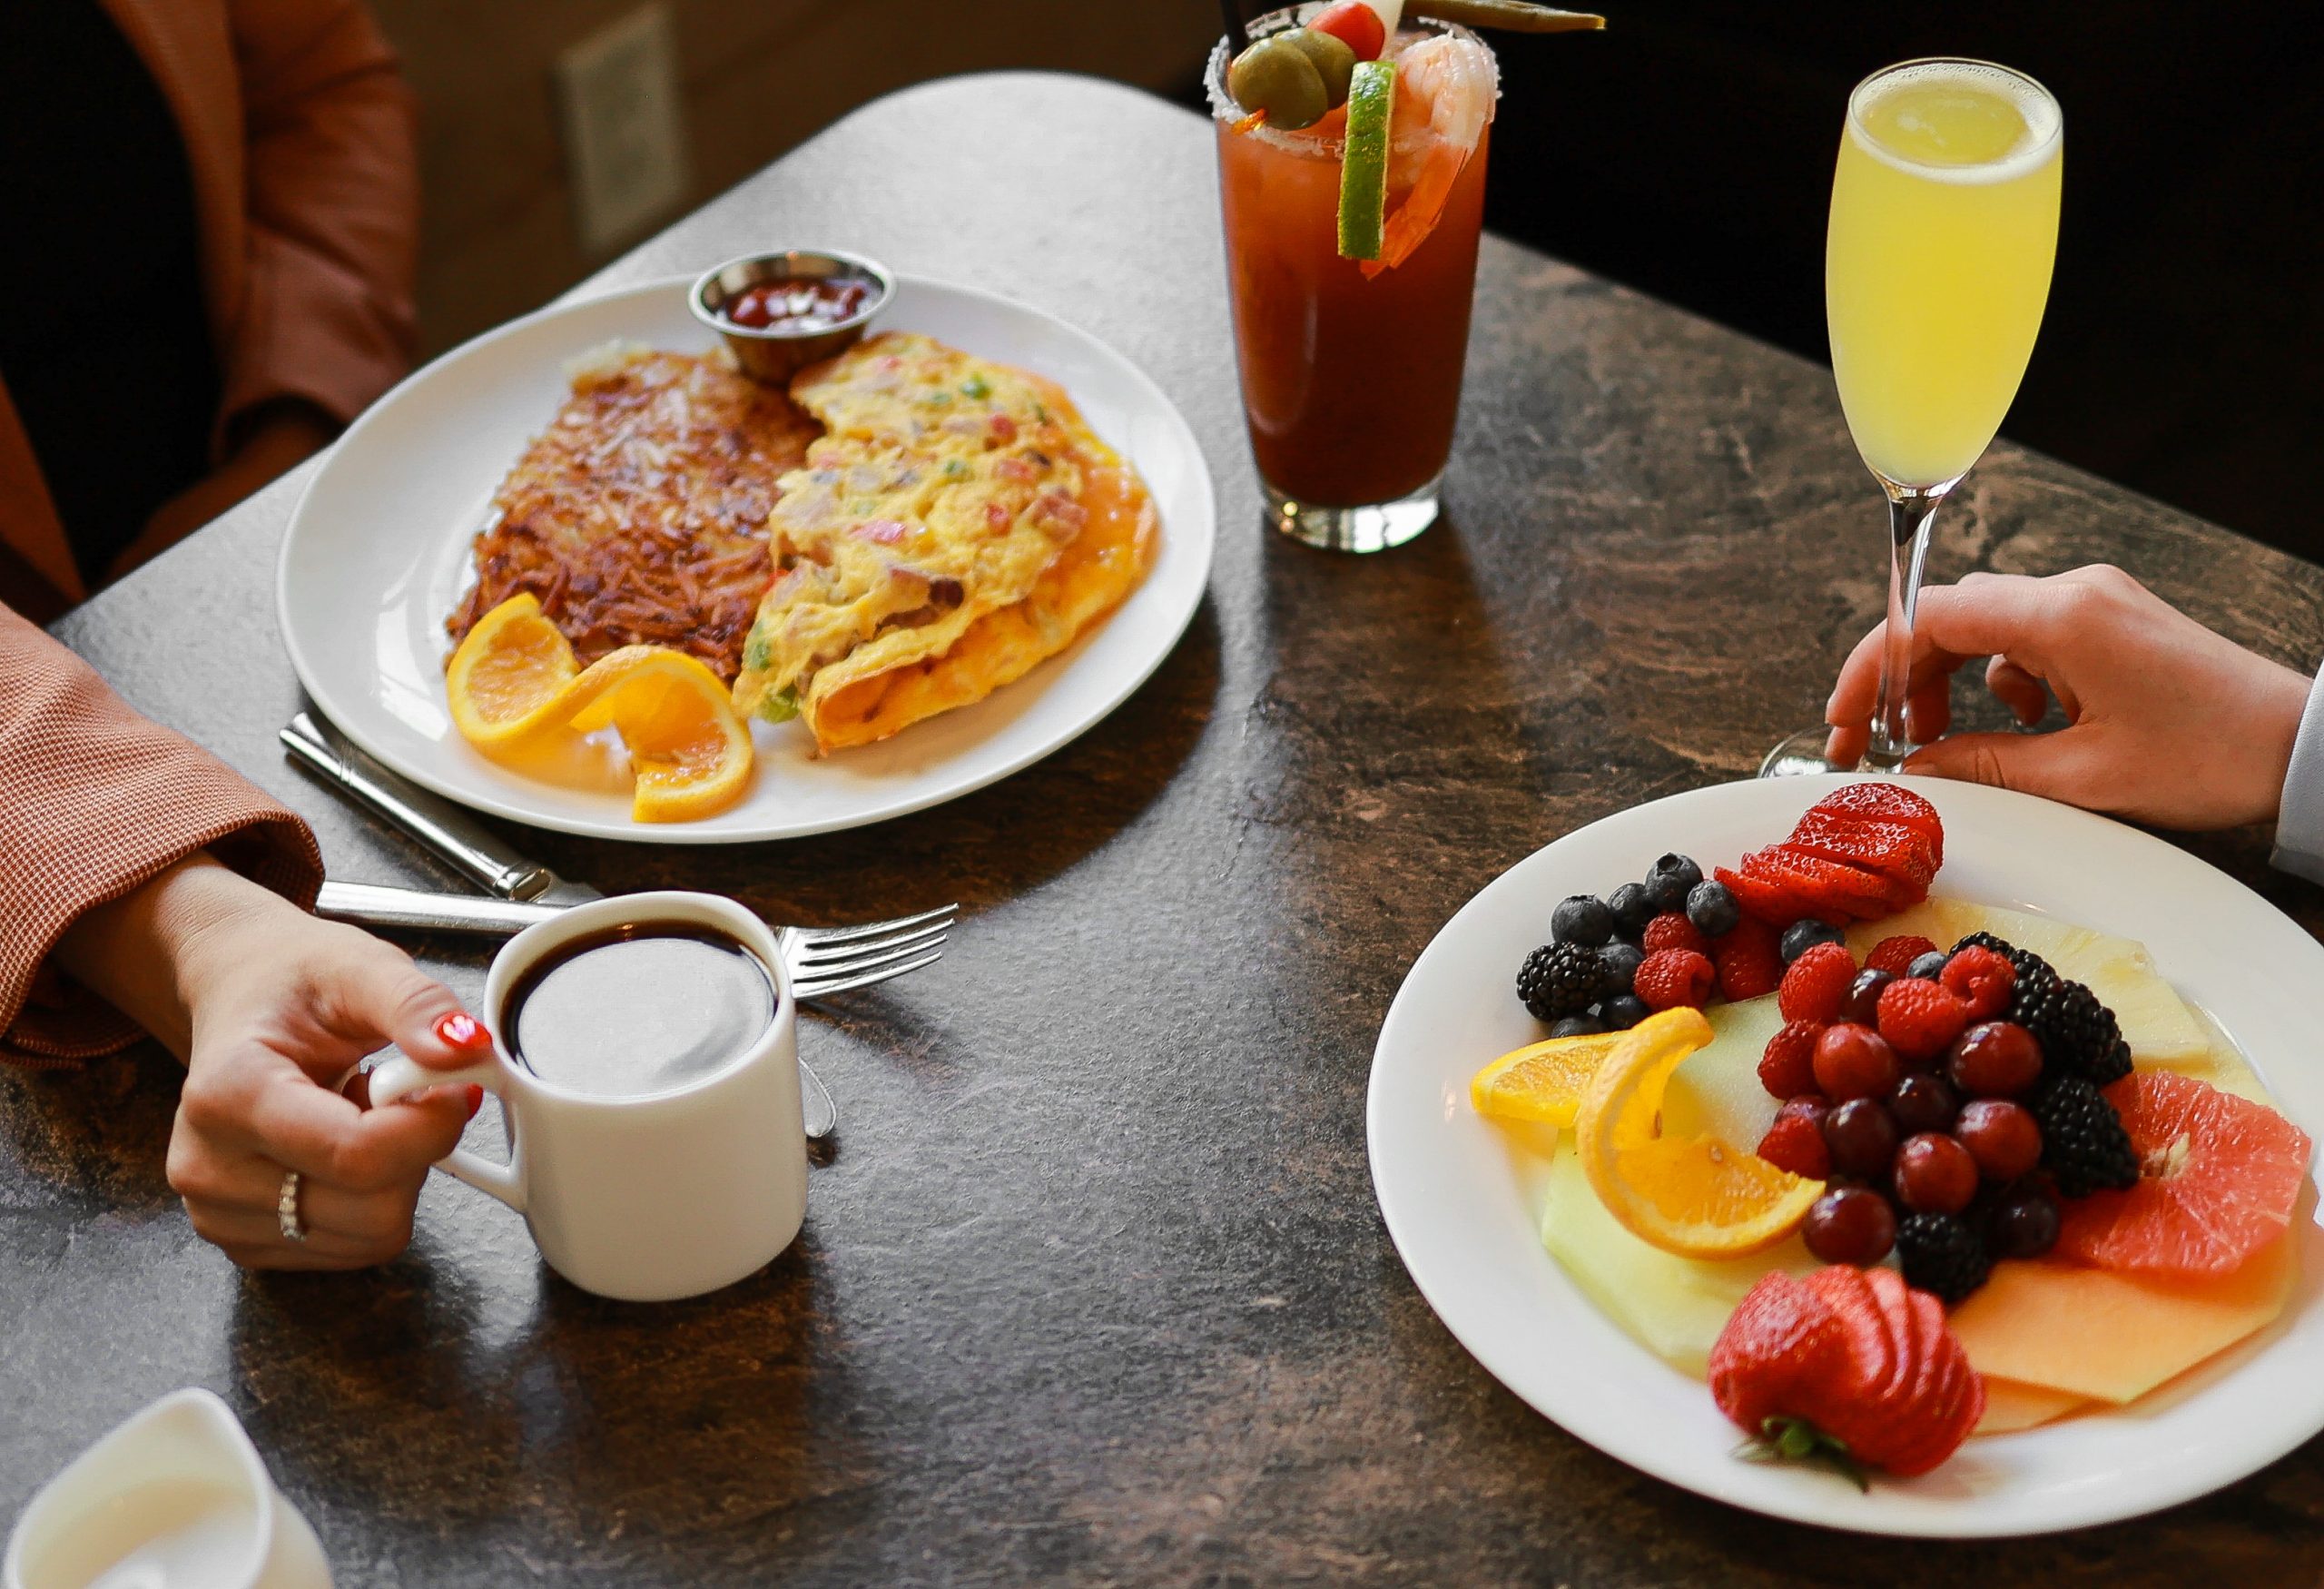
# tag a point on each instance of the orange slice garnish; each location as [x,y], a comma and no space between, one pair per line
[1543,1081]
[1699,1196]
[514,684]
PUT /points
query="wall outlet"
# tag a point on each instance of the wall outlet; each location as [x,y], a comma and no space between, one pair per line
[625,144]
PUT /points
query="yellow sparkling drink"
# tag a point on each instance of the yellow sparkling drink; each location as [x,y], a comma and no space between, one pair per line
[1944,228]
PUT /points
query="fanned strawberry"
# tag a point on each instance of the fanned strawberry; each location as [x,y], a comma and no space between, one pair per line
[1892,850]
[1871,1355]
[1888,1288]
[1832,891]
[1877,802]
[1778,907]
[1946,1417]
[1782,1336]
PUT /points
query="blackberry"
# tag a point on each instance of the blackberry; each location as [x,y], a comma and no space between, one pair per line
[1558,979]
[1941,1255]
[2079,1036]
[2027,964]
[2083,1145]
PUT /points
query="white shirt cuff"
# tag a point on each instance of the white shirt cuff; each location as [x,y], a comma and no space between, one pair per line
[2299,824]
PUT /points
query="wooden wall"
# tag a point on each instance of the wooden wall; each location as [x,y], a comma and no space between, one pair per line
[757,77]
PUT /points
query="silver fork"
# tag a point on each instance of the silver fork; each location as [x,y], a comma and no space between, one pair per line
[822,960]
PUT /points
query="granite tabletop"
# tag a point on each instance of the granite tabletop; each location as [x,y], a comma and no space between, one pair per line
[1094,1289]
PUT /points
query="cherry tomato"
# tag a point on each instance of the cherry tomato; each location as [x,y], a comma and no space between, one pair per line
[1355,24]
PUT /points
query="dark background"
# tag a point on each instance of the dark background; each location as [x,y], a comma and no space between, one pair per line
[1688,151]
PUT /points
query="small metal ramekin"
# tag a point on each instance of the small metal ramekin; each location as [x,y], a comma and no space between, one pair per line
[777,353]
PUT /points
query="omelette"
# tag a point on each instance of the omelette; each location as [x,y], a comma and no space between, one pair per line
[638,517]
[957,524]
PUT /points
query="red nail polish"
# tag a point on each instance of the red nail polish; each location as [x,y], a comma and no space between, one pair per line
[461,1030]
[476,1099]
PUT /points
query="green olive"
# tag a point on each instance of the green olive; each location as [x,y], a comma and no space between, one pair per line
[1279,79]
[1333,59]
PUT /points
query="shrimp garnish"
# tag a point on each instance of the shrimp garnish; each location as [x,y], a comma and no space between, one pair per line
[1455,79]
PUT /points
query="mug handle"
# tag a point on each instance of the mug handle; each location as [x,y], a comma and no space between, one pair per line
[401,1077]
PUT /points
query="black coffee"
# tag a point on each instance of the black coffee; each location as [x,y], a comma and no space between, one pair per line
[639,1009]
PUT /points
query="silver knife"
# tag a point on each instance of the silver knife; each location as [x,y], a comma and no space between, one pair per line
[524,891]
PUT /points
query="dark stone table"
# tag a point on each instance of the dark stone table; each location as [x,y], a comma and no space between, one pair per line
[1095,1289]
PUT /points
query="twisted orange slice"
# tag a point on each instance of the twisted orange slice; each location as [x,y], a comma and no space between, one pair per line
[1699,1196]
[514,684]
[1543,1081]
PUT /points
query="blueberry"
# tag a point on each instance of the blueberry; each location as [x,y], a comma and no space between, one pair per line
[1622,1011]
[1622,960]
[1928,966]
[1804,935]
[1667,881]
[1581,919]
[1577,1026]
[1712,909]
[1633,907]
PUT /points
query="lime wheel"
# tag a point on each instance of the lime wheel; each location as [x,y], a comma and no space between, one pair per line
[2218,1178]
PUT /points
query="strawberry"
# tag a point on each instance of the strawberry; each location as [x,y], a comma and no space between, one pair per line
[1797,1143]
[1850,1296]
[1671,930]
[1787,1067]
[1895,955]
[1885,803]
[1781,1338]
[1749,960]
[1982,979]
[1902,854]
[1834,892]
[1920,1019]
[1816,983]
[1670,977]
[1777,906]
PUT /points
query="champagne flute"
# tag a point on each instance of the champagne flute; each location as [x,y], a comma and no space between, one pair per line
[1937,267]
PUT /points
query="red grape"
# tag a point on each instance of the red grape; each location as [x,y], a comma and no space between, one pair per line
[1994,1059]
[2001,1136]
[1855,1061]
[2024,1226]
[1862,1136]
[1863,1003]
[1935,1174]
[1924,1101]
[1851,1225]
[1814,1105]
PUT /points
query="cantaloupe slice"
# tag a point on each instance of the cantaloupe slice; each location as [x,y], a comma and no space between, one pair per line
[2160,1027]
[1674,1307]
[2011,1406]
[2113,1338]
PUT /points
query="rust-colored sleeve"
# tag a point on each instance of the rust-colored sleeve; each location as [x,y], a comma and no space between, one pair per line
[333,184]
[95,800]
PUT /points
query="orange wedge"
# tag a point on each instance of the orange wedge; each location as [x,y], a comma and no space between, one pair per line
[1543,1081]
[513,683]
[1699,1196]
[508,675]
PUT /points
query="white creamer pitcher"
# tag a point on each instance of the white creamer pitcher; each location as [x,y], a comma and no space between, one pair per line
[175,1499]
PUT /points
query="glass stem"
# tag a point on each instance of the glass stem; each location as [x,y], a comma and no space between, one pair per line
[1911,510]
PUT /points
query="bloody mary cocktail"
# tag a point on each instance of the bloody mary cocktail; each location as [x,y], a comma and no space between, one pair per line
[1352,369]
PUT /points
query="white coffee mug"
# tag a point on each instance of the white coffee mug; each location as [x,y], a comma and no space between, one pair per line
[651,1197]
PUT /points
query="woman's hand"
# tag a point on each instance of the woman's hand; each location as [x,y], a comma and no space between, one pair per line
[270,1008]
[2168,723]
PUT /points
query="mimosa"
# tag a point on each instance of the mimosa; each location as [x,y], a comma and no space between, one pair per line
[1944,227]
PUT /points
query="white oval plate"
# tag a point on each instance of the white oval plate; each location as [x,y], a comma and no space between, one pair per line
[378,553]
[1462,1204]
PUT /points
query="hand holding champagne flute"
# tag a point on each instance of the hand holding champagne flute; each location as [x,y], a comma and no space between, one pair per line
[1936,267]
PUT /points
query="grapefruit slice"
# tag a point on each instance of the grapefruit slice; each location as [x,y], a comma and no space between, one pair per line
[2218,1176]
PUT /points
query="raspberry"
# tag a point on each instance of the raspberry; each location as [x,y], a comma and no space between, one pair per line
[1897,954]
[1670,977]
[1798,1145]
[1671,930]
[1920,1019]
[1982,979]
[1817,983]
[1749,960]
[1788,1067]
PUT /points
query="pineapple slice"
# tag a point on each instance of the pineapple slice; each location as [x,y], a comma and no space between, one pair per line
[2156,1021]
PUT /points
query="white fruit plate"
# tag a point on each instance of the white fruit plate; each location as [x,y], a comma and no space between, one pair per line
[1462,1201]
